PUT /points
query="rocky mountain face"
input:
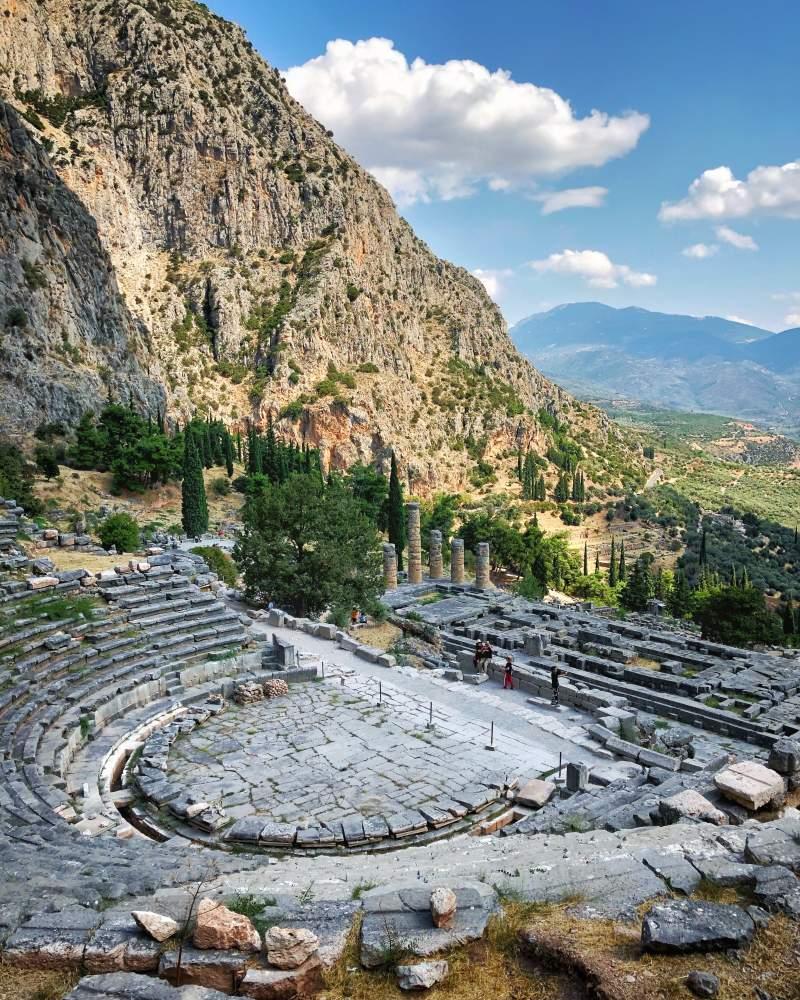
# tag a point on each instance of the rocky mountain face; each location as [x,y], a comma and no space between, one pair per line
[704,364]
[65,321]
[253,269]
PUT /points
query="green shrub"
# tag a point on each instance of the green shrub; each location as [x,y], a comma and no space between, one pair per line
[353,291]
[219,562]
[121,531]
[16,316]
[16,478]
[221,486]
[368,368]
[46,460]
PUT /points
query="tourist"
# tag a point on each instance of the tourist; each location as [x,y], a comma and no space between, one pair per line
[508,674]
[354,617]
[555,673]
[476,659]
[486,657]
[362,618]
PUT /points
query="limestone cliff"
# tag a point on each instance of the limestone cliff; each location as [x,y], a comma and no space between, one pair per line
[263,271]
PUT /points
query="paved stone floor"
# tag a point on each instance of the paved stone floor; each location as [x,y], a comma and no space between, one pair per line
[329,751]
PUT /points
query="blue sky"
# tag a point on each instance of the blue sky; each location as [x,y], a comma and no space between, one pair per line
[474,159]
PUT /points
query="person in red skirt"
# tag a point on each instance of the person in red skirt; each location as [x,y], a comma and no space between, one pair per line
[508,674]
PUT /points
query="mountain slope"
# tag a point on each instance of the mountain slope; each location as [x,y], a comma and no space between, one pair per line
[272,274]
[704,364]
[63,321]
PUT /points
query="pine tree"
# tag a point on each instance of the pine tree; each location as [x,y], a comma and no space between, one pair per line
[585,559]
[622,573]
[597,560]
[519,466]
[228,454]
[194,508]
[639,588]
[612,566]
[395,518]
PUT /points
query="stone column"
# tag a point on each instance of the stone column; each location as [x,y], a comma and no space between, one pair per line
[457,560]
[435,555]
[414,544]
[482,581]
[389,566]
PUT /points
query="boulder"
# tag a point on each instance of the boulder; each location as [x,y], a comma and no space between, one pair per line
[688,925]
[535,793]
[42,582]
[421,976]
[784,757]
[702,984]
[219,928]
[443,906]
[284,984]
[156,925]
[690,804]
[750,784]
[289,947]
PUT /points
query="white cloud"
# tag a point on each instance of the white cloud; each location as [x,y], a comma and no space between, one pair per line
[557,201]
[738,240]
[786,297]
[700,250]
[492,280]
[792,320]
[717,194]
[595,267]
[740,319]
[438,130]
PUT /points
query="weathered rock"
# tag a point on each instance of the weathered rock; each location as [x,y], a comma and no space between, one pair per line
[219,928]
[289,947]
[784,757]
[443,906]
[702,984]
[688,925]
[156,925]
[535,793]
[750,784]
[130,986]
[284,984]
[42,582]
[690,804]
[421,976]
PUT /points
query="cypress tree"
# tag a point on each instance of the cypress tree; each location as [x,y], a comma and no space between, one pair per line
[270,461]
[585,559]
[519,466]
[703,548]
[194,508]
[612,566]
[395,519]
[597,560]
[239,446]
[622,572]
[789,620]
[228,454]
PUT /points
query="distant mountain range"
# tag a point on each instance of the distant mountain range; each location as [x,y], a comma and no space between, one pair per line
[704,364]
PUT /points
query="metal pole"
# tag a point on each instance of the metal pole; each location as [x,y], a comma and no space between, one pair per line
[430,717]
[323,670]
[380,693]
[559,763]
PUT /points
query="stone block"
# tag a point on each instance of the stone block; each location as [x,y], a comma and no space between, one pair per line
[423,975]
[577,777]
[535,793]
[42,582]
[784,757]
[284,984]
[690,804]
[750,784]
[684,926]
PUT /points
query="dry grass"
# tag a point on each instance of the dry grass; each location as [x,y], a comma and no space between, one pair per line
[71,559]
[491,968]
[608,953]
[381,636]
[35,984]
[770,963]
[644,663]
